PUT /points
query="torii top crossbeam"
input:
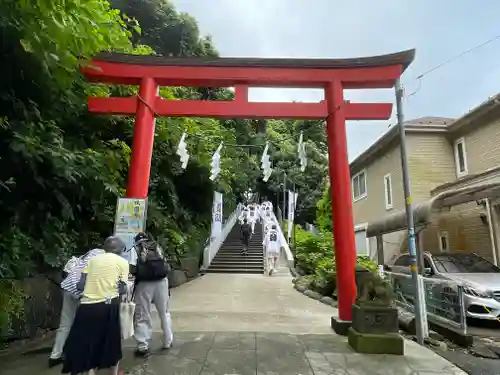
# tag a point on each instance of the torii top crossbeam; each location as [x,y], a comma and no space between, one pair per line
[241,73]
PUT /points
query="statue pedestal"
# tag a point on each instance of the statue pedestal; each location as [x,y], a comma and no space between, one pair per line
[375,329]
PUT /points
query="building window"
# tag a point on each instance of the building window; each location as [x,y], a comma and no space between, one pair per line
[388,191]
[443,242]
[362,244]
[359,186]
[460,157]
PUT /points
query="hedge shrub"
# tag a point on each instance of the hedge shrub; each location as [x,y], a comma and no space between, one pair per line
[315,257]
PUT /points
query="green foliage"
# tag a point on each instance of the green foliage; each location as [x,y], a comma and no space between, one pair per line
[62,169]
[11,300]
[283,152]
[311,249]
[315,256]
[324,211]
[366,263]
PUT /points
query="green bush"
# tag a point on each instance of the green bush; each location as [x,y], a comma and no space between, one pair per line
[367,263]
[311,249]
[324,280]
[315,256]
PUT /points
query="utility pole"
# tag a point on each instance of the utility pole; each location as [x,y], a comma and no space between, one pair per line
[420,313]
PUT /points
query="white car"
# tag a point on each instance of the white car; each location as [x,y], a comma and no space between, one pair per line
[479,278]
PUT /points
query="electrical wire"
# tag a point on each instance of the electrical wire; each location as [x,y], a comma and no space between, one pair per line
[449,61]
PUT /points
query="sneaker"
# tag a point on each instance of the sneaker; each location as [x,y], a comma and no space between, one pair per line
[141,352]
[55,362]
[271,272]
[166,346]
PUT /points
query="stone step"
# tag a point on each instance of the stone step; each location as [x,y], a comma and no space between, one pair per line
[237,265]
[238,253]
[238,241]
[240,246]
[241,258]
[235,270]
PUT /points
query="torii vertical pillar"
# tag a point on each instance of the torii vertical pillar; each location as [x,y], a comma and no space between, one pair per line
[142,144]
[340,187]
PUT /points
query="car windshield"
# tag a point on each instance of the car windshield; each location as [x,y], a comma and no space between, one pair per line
[463,263]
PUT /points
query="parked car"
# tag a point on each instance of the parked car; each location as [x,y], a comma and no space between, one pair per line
[479,277]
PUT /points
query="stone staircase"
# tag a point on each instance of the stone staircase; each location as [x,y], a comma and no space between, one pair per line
[229,258]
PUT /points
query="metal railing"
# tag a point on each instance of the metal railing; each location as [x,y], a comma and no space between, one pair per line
[444,299]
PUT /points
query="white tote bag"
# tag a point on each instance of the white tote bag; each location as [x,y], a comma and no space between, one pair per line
[127,310]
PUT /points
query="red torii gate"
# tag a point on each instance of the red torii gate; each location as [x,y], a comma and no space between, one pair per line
[332,75]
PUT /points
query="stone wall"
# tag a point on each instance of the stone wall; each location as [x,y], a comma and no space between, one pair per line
[41,309]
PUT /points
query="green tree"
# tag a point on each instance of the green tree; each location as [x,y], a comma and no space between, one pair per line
[62,169]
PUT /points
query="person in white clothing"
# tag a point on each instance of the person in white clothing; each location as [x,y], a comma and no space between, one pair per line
[71,300]
[262,211]
[272,245]
[252,217]
[267,227]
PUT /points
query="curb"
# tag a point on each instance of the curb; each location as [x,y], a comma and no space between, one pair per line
[27,346]
[312,294]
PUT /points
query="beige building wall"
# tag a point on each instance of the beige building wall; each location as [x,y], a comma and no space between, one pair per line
[482,145]
[373,205]
[430,163]
[462,224]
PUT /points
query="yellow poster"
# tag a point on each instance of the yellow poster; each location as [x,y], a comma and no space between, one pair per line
[130,215]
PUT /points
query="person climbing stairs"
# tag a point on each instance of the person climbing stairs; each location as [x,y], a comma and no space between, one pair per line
[230,259]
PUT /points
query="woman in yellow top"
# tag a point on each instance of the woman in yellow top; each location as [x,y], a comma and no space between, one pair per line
[94,341]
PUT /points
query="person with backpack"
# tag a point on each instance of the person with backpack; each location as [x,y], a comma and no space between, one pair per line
[246,233]
[71,299]
[150,269]
[272,245]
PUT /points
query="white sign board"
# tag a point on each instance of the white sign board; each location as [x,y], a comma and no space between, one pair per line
[217,215]
[292,203]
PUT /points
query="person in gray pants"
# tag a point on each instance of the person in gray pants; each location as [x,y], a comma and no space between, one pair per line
[151,288]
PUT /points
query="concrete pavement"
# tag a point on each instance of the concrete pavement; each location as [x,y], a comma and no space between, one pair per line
[251,324]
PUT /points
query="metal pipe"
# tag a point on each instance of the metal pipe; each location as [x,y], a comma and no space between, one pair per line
[490,226]
[294,215]
[419,304]
[283,211]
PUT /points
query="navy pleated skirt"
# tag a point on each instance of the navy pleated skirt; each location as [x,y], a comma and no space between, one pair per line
[94,341]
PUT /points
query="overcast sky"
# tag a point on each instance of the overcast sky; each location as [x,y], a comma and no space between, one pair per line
[438,29]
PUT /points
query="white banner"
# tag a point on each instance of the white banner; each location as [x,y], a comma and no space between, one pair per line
[292,203]
[217,215]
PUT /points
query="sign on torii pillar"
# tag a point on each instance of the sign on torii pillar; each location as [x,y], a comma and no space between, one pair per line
[332,75]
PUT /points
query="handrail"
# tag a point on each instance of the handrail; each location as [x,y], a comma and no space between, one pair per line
[213,247]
